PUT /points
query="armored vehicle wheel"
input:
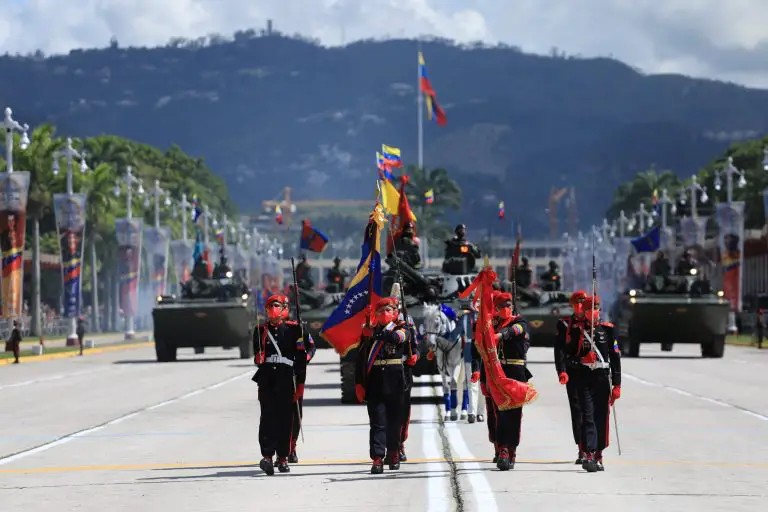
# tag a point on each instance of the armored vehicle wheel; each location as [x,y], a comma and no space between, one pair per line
[199,350]
[165,352]
[246,349]
[348,382]
[715,349]
[630,347]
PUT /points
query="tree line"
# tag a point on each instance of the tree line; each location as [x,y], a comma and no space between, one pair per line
[107,157]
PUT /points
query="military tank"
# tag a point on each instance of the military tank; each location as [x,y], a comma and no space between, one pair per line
[673,310]
[542,310]
[316,307]
[419,288]
[211,312]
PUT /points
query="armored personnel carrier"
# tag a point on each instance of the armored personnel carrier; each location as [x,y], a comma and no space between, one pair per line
[211,312]
[316,307]
[542,310]
[672,310]
[419,288]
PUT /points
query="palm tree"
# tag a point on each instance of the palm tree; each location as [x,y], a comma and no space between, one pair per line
[447,195]
[640,190]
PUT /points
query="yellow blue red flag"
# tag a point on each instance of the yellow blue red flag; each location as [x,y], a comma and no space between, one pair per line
[344,327]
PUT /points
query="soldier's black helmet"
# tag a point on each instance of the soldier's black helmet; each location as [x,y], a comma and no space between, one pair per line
[337,260]
[460,227]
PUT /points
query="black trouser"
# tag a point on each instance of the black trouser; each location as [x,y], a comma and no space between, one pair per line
[385,414]
[275,422]
[493,417]
[509,428]
[406,416]
[296,422]
[573,403]
[594,392]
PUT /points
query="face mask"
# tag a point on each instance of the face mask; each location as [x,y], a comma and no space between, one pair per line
[505,313]
[385,316]
[275,312]
[578,309]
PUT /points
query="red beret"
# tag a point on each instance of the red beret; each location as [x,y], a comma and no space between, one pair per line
[578,296]
[589,302]
[387,301]
[281,299]
[501,297]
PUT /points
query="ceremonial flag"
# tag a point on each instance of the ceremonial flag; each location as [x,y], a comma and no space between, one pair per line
[385,172]
[196,210]
[506,393]
[429,196]
[344,327]
[501,210]
[312,239]
[655,202]
[278,214]
[434,110]
[390,197]
[648,242]
[404,215]
[391,156]
[219,233]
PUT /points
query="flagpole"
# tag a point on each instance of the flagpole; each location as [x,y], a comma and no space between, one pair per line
[420,117]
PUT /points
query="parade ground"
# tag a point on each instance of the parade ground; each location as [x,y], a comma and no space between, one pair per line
[118,431]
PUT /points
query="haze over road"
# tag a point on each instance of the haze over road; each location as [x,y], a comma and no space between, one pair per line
[120,432]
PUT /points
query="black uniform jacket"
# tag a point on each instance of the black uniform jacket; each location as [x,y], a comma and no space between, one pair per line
[387,344]
[288,335]
[572,345]
[512,350]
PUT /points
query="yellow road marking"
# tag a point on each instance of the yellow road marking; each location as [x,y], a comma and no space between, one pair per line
[612,462]
[75,352]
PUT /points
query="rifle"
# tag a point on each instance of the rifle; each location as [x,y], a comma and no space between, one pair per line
[594,346]
[303,334]
[401,298]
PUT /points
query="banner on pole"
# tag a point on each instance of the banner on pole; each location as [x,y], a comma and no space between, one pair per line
[14,190]
[129,268]
[694,231]
[70,227]
[182,251]
[156,244]
[730,222]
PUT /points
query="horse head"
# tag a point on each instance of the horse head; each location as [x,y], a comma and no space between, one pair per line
[433,324]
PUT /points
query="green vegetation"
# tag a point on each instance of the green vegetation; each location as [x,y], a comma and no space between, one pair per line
[107,157]
[747,157]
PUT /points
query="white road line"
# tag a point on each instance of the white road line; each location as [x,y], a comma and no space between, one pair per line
[698,397]
[481,492]
[51,378]
[438,487]
[120,419]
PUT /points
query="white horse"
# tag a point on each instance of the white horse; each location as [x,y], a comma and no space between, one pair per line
[444,337]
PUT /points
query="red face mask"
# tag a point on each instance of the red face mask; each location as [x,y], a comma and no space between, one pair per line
[385,315]
[276,312]
[504,313]
[578,309]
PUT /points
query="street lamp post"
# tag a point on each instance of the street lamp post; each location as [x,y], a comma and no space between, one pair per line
[129,180]
[10,126]
[69,152]
[692,189]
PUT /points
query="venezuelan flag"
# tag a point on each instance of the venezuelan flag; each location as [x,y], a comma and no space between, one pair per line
[429,196]
[312,239]
[434,110]
[391,156]
[390,197]
[278,214]
[501,210]
[385,173]
[343,328]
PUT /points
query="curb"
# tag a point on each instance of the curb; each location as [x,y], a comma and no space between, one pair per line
[76,353]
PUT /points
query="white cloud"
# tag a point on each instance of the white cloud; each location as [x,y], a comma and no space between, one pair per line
[723,39]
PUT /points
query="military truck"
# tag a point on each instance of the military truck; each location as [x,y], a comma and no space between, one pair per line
[211,312]
[672,310]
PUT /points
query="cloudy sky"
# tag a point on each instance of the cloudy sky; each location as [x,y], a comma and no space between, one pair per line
[721,39]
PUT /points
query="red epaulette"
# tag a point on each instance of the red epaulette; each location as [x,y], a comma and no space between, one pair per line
[291,322]
[607,324]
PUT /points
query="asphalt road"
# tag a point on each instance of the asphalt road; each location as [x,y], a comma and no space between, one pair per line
[120,432]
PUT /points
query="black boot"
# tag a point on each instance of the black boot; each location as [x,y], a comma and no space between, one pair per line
[293,458]
[580,458]
[589,464]
[394,461]
[403,457]
[377,467]
[480,418]
[599,460]
[503,462]
[471,418]
[282,465]
[267,466]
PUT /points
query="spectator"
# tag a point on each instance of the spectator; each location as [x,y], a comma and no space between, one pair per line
[14,342]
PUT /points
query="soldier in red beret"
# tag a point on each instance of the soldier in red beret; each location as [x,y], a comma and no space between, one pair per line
[281,358]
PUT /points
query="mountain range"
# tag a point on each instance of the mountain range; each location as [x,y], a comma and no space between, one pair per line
[268,111]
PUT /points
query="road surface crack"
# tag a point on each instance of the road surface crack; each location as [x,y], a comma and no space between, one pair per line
[448,456]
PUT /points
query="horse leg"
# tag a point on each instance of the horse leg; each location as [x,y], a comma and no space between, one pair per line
[441,363]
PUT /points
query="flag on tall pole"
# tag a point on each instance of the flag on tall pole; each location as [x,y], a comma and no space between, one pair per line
[434,110]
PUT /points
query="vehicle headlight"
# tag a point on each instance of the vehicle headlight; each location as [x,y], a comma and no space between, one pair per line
[159,299]
[694,271]
[229,273]
[632,293]
[245,296]
[632,300]
[720,293]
